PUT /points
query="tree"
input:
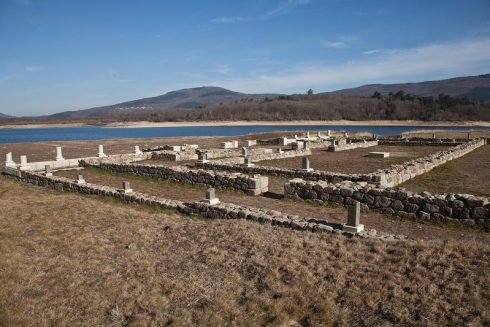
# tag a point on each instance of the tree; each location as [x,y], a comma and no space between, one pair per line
[376,95]
[310,92]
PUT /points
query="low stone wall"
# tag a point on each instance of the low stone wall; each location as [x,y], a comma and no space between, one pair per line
[73,163]
[463,208]
[314,175]
[351,146]
[421,142]
[169,155]
[398,174]
[256,156]
[217,211]
[252,185]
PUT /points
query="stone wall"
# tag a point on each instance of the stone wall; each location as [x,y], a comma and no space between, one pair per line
[256,156]
[217,211]
[421,142]
[252,185]
[314,175]
[351,146]
[169,155]
[463,208]
[73,163]
[398,174]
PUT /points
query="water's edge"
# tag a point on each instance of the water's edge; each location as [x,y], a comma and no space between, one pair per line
[17,135]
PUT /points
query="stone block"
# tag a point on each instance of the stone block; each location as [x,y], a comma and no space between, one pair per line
[378,154]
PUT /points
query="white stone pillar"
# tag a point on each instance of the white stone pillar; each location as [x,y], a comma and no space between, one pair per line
[47,171]
[353,219]
[306,164]
[80,180]
[9,162]
[59,155]
[101,153]
[23,163]
[137,150]
[211,198]
[329,133]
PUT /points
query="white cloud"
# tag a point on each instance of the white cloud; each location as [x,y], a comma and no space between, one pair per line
[437,60]
[335,44]
[228,20]
[33,68]
[341,42]
[286,7]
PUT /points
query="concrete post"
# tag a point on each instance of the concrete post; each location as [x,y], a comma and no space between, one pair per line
[353,219]
[306,164]
[9,162]
[318,135]
[248,162]
[211,198]
[47,171]
[306,145]
[101,153]
[137,150]
[126,188]
[59,155]
[307,134]
[202,157]
[80,180]
[23,163]
[244,152]
[468,135]
[346,135]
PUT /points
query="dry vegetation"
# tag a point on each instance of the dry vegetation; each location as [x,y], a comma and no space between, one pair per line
[74,260]
[355,161]
[468,174]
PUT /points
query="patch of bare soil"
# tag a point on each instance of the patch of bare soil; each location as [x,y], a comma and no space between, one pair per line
[468,174]
[274,201]
[68,259]
[355,161]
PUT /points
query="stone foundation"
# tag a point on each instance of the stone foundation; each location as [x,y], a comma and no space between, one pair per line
[252,185]
[463,208]
[218,211]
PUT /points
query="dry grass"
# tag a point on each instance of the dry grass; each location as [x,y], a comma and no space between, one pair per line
[468,174]
[66,259]
[355,161]
[337,214]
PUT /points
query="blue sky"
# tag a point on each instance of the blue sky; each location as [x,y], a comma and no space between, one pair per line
[75,54]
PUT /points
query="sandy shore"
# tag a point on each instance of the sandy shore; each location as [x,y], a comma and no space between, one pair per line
[143,124]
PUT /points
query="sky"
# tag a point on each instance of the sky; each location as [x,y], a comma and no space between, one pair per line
[77,54]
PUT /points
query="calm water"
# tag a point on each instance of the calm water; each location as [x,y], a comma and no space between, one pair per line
[97,132]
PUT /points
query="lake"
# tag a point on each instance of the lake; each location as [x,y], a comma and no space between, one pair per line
[17,135]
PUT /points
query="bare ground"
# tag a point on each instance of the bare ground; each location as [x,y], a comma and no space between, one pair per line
[355,161]
[468,174]
[67,259]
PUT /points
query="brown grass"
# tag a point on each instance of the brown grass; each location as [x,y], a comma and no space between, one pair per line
[468,174]
[67,259]
[355,161]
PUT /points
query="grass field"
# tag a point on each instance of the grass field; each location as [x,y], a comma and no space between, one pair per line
[67,259]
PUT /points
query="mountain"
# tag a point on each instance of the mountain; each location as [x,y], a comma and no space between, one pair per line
[198,97]
[473,87]
[4,116]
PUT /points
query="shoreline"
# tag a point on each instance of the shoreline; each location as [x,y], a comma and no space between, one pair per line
[145,124]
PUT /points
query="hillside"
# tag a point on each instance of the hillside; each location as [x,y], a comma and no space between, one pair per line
[198,97]
[473,87]
[4,116]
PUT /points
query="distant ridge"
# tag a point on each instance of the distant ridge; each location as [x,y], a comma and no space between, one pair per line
[197,97]
[4,116]
[472,87]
